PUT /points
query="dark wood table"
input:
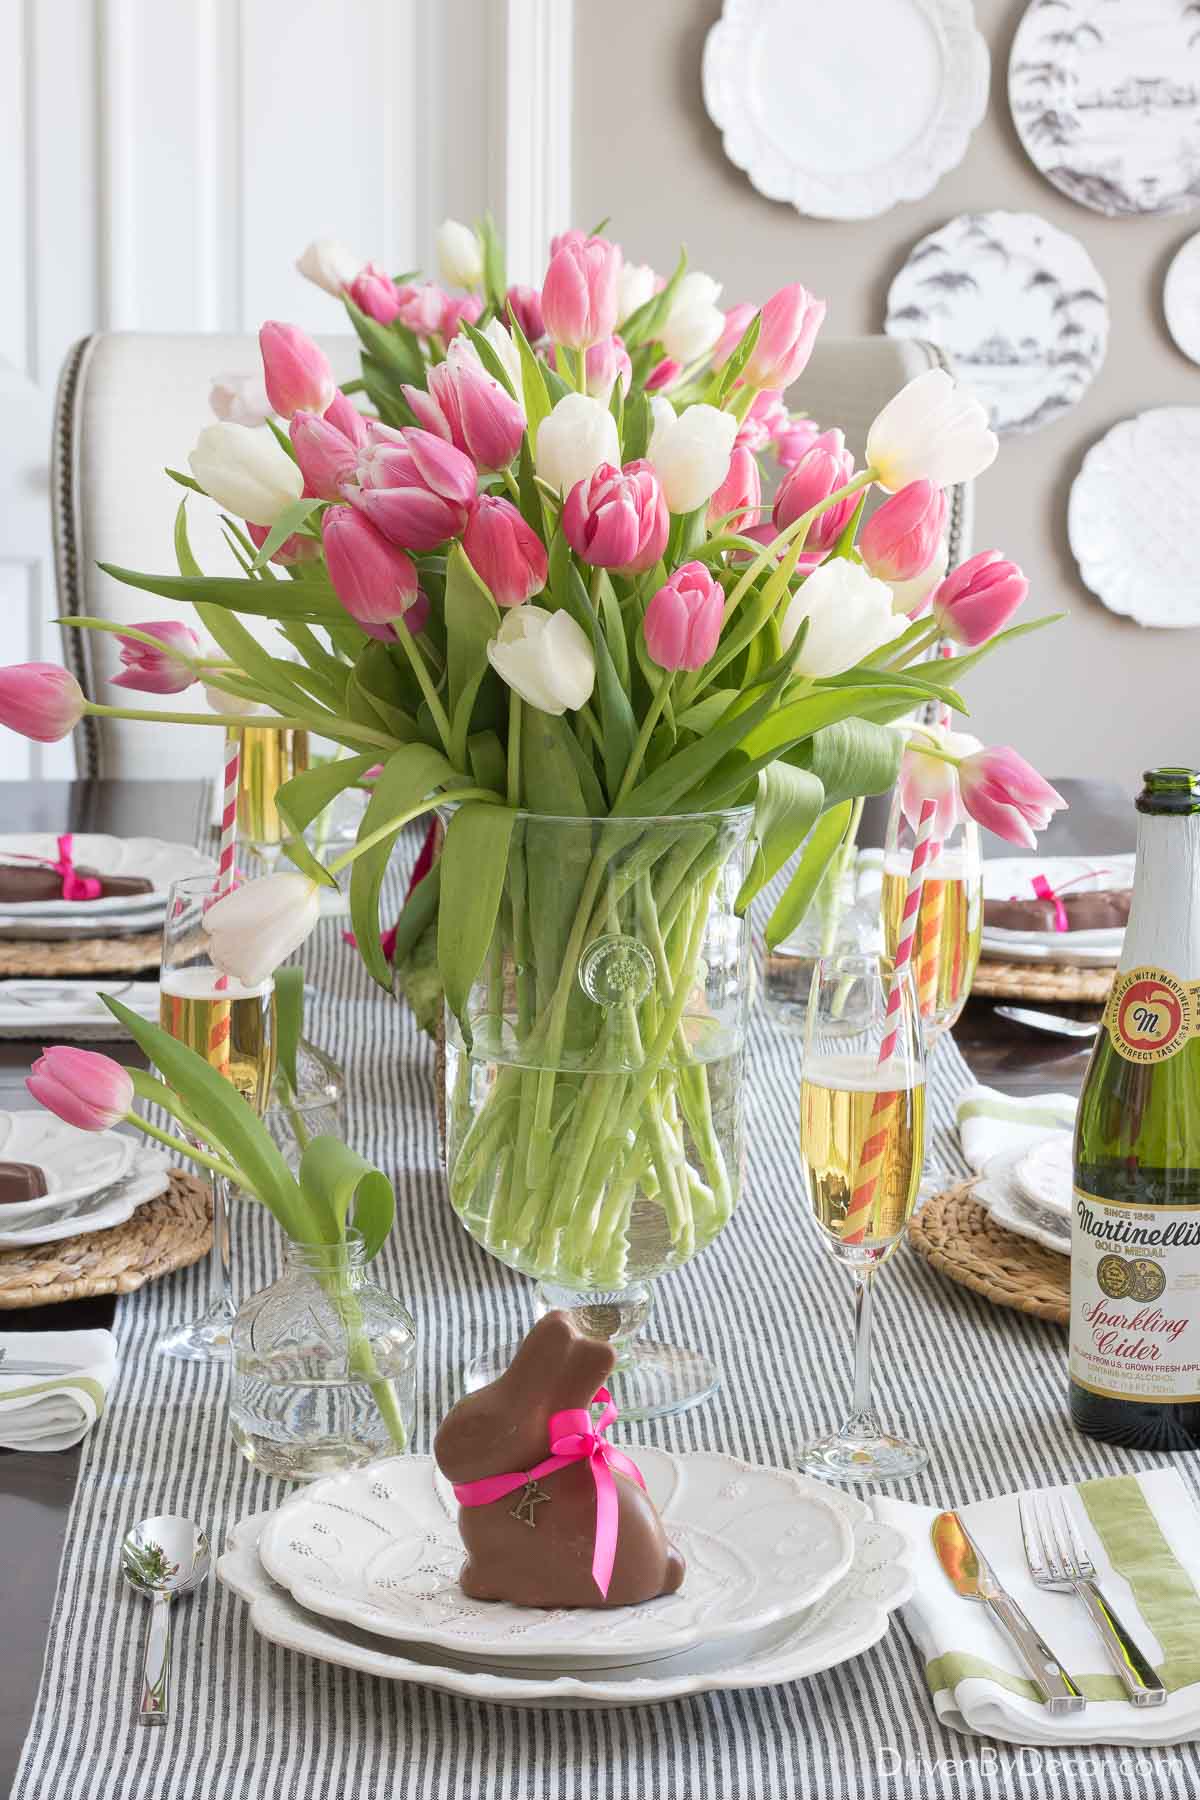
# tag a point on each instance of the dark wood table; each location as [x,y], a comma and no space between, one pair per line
[36,1489]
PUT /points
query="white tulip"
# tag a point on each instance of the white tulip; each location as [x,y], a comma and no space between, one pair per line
[695,321]
[544,657]
[255,927]
[849,615]
[330,264]
[932,430]
[911,597]
[691,455]
[662,416]
[460,257]
[635,285]
[229,704]
[240,399]
[460,349]
[574,439]
[246,472]
[695,289]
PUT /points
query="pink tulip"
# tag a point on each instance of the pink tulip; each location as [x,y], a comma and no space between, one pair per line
[740,493]
[327,457]
[663,375]
[296,371]
[617,518]
[469,408]
[562,240]
[1003,793]
[374,581]
[608,362]
[924,777]
[683,620]
[507,554]
[526,304]
[161,668]
[40,701]
[84,1089]
[793,439]
[580,293]
[823,468]
[294,549]
[343,413]
[979,597]
[766,419]
[415,487]
[375,293]
[736,321]
[791,320]
[902,537]
[456,308]
[421,308]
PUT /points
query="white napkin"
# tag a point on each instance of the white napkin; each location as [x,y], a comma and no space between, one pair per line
[1150,1525]
[52,1412]
[990,1122]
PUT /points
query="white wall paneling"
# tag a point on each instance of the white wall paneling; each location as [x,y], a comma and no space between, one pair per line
[532,73]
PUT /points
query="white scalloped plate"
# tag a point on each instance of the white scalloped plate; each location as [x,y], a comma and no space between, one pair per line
[852,1616]
[998,1194]
[159,862]
[379,1548]
[1131,517]
[147,1178]
[75,1163]
[809,105]
[1045,1175]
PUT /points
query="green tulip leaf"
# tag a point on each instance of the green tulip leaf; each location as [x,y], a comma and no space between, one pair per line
[472,621]
[289,1022]
[289,520]
[473,863]
[789,802]
[824,843]
[850,758]
[334,1177]
[312,601]
[407,786]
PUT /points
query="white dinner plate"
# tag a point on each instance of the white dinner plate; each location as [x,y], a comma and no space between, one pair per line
[852,1616]
[159,862]
[1129,517]
[46,1008]
[147,1178]
[378,1548]
[109,925]
[75,1163]
[997,1192]
[1181,298]
[1045,1174]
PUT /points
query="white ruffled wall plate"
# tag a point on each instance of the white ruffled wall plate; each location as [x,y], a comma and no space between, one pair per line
[845,110]
[1131,518]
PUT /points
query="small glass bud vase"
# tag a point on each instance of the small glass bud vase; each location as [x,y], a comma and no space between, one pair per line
[324,1367]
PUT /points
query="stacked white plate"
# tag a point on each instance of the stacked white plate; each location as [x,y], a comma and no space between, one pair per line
[785,1577]
[70,1008]
[118,915]
[1011,878]
[94,1180]
[1029,1191]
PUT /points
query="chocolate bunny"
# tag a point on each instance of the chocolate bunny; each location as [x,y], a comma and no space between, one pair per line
[535,1545]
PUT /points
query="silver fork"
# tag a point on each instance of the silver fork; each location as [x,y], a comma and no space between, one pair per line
[1058,1559]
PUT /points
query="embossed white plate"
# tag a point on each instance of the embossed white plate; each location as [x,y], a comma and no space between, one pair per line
[1130,517]
[75,1163]
[997,1192]
[852,1616]
[1045,1174]
[147,1178]
[379,1548]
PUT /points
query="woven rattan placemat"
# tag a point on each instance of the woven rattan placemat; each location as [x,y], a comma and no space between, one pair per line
[165,1234]
[81,956]
[954,1233]
[1040,981]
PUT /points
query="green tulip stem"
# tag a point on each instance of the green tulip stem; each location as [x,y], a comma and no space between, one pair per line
[513,770]
[637,755]
[217,1164]
[399,820]
[797,529]
[425,683]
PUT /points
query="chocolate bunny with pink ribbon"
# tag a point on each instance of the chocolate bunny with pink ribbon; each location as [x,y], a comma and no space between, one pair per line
[550,1513]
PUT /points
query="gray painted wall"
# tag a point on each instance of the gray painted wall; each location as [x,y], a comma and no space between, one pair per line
[1096,695]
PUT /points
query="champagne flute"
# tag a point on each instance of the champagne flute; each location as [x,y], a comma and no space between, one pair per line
[949,922]
[232,1026]
[271,755]
[862,1129]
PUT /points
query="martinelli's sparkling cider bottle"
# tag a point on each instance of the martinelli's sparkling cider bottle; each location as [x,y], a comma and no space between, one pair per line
[1135,1232]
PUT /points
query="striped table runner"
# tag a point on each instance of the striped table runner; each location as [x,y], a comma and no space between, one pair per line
[985,1389]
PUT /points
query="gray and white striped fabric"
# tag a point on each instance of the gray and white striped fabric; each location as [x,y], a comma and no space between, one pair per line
[985,1389]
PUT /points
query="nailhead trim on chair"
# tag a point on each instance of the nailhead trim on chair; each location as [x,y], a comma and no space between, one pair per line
[64,511]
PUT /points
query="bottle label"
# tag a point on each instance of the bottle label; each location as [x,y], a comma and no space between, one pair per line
[1151,1014]
[1135,1300]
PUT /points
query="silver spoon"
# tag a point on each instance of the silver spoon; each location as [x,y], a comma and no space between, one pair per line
[162,1557]
[1054,1023]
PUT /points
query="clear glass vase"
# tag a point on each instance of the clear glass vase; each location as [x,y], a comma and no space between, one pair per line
[594,1103]
[324,1367]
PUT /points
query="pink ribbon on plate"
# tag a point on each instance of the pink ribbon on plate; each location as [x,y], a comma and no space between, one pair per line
[574,1437]
[74,885]
[1044,891]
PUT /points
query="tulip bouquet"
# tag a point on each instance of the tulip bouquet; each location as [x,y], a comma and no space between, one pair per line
[526,565]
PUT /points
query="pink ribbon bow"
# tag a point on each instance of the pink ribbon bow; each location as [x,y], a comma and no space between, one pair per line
[1044,891]
[574,1437]
[74,885]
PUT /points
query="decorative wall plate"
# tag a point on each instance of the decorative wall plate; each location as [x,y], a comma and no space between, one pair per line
[1181,298]
[1131,517]
[1105,96]
[1018,304]
[379,1548]
[810,105]
[852,1616]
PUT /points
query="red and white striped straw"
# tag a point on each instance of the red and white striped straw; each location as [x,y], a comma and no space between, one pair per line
[227,870]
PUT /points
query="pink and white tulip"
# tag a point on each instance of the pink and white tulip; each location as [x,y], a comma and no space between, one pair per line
[617,519]
[254,928]
[932,430]
[422,308]
[246,472]
[375,582]
[902,537]
[791,320]
[824,468]
[456,308]
[580,292]
[979,598]
[163,667]
[471,410]
[526,305]
[375,293]
[328,459]
[683,620]
[40,701]
[240,399]
[330,265]
[81,1087]
[925,777]
[414,486]
[739,495]
[607,363]
[1002,792]
[507,554]
[296,371]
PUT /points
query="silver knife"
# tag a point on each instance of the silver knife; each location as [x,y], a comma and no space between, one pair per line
[970,1574]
